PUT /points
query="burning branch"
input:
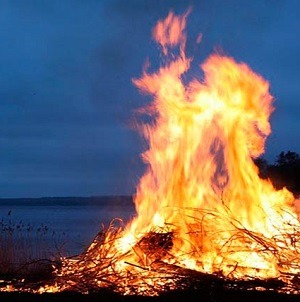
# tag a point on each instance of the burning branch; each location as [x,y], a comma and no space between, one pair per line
[201,142]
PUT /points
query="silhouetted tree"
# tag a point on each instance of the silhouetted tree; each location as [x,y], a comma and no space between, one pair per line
[285,172]
[287,158]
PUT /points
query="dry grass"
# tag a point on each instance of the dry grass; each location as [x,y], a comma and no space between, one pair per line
[27,250]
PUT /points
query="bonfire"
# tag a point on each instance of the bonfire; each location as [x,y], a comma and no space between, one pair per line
[202,212]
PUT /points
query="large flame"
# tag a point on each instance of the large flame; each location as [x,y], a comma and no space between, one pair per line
[201,204]
[201,180]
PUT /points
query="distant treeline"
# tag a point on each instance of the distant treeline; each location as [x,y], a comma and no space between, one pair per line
[118,200]
[284,172]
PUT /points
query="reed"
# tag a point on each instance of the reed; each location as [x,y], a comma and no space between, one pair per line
[27,250]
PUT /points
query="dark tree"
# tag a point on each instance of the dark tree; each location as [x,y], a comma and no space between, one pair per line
[287,158]
[285,172]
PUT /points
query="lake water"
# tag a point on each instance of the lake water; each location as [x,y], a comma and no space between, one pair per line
[69,223]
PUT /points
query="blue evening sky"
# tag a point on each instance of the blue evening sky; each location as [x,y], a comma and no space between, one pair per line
[66,97]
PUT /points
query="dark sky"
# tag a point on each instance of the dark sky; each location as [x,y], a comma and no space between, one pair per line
[66,97]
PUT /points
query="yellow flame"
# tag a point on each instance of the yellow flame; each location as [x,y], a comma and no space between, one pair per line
[200,204]
[201,178]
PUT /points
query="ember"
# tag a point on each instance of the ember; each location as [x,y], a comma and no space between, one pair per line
[202,209]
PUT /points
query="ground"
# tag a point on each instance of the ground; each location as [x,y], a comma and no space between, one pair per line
[209,295]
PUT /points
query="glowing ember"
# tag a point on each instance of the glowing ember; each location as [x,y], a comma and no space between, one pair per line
[201,204]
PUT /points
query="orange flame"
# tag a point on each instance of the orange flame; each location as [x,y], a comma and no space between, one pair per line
[201,180]
[201,204]
[169,32]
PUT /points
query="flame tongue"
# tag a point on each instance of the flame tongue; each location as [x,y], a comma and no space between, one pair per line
[201,181]
[200,204]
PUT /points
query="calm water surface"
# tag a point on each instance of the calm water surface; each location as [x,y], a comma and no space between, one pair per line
[71,222]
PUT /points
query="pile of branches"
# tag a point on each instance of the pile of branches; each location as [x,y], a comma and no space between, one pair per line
[152,273]
[155,271]
[96,268]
